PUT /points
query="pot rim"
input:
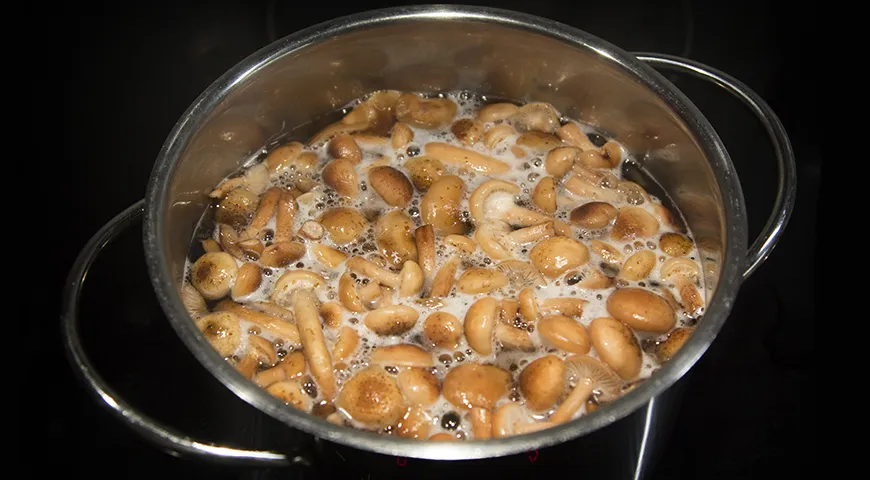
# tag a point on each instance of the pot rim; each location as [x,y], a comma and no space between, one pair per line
[732,264]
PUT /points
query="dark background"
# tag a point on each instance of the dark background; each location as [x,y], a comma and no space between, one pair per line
[132,69]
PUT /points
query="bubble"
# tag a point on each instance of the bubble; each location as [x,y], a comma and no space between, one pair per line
[627,248]
[450,421]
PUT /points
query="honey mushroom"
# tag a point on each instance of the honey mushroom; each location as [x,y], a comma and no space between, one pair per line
[429,113]
[498,241]
[282,254]
[607,252]
[638,266]
[481,423]
[559,161]
[393,236]
[440,206]
[193,302]
[540,117]
[271,323]
[496,112]
[510,419]
[229,241]
[392,185]
[289,156]
[260,353]
[213,275]
[632,223]
[497,134]
[222,331]
[391,320]
[465,158]
[481,280]
[494,200]
[513,338]
[401,136]
[571,134]
[556,255]
[210,245]
[474,385]
[247,281]
[539,142]
[345,346]
[564,333]
[332,314]
[528,305]
[372,398]
[444,278]
[343,225]
[236,207]
[684,273]
[641,310]
[252,248]
[616,346]
[348,295]
[544,195]
[414,424]
[340,174]
[424,237]
[285,213]
[343,146]
[675,244]
[521,274]
[291,393]
[589,376]
[443,330]
[265,211]
[409,281]
[467,131]
[592,184]
[480,321]
[424,171]
[312,230]
[401,356]
[255,180]
[327,256]
[593,215]
[666,349]
[290,367]
[542,383]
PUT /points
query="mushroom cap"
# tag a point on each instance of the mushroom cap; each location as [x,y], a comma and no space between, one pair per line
[479,203]
[262,350]
[617,346]
[675,341]
[607,383]
[391,320]
[542,382]
[340,174]
[481,280]
[193,301]
[675,244]
[536,116]
[418,386]
[394,237]
[443,330]
[237,207]
[521,274]
[467,130]
[539,142]
[428,113]
[641,310]
[564,333]
[372,397]
[475,385]
[638,266]
[679,267]
[213,274]
[633,222]
[291,393]
[343,224]
[593,215]
[402,356]
[248,279]
[424,171]
[556,255]
[293,280]
[222,330]
[282,254]
[441,208]
[414,423]
[480,320]
[544,194]
[392,185]
[489,234]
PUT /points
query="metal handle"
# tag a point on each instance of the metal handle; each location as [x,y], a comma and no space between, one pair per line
[787,184]
[165,437]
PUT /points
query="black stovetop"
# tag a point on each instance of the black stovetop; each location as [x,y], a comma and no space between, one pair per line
[130,73]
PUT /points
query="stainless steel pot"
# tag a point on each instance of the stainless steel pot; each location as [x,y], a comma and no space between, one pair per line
[435,48]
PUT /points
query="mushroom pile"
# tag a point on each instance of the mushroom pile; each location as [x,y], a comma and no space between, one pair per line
[442,268]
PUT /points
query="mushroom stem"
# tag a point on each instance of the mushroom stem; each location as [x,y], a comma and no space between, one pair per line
[264,213]
[311,333]
[528,235]
[284,219]
[364,267]
[443,282]
[276,326]
[575,400]
[481,423]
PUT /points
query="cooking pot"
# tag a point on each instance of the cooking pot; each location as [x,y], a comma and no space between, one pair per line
[493,52]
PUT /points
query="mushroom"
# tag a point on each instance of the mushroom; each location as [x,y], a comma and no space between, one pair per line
[684,273]
[617,346]
[402,356]
[264,213]
[252,247]
[311,333]
[560,160]
[345,147]
[593,215]
[344,225]
[521,274]
[513,338]
[429,113]
[282,254]
[638,266]
[393,235]
[392,185]
[443,330]
[414,424]
[401,136]
[612,151]
[564,333]
[260,352]
[284,216]
[480,321]
[465,158]
[641,310]
[496,112]
[247,281]
[274,310]
[539,142]
[443,437]
[588,190]
[290,367]
[633,193]
[542,383]
[289,156]
[691,298]
[222,330]
[213,274]
[229,241]
[391,320]
[589,375]
[348,295]
[593,279]
[312,230]
[481,280]
[291,393]
[511,419]
[193,302]
[409,281]
[328,256]
[497,134]
[475,385]
[444,278]
[236,207]
[340,174]
[331,313]
[571,134]
[424,171]
[529,305]
[481,423]
[282,328]
[556,255]
[567,306]
[594,159]
[440,206]
[468,131]
[424,237]
[675,244]
[338,128]
[508,309]
[669,347]
[541,117]
[607,252]
[292,280]
[632,223]
[372,398]
[498,241]
[209,245]
[462,244]
[544,195]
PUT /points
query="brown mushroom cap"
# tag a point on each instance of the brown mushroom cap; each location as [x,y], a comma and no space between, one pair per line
[675,244]
[372,398]
[641,310]
[418,386]
[424,171]
[593,215]
[542,382]
[475,385]
[675,341]
[564,333]
[440,206]
[222,330]
[392,185]
[291,393]
[443,330]
[343,224]
[617,346]
[634,222]
[340,174]
[237,207]
[213,274]
[556,255]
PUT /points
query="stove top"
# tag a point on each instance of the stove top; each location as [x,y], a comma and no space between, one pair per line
[131,73]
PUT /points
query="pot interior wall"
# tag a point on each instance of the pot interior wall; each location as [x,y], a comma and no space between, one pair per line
[279,100]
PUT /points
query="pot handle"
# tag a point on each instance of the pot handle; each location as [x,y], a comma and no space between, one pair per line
[787,183]
[166,438]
